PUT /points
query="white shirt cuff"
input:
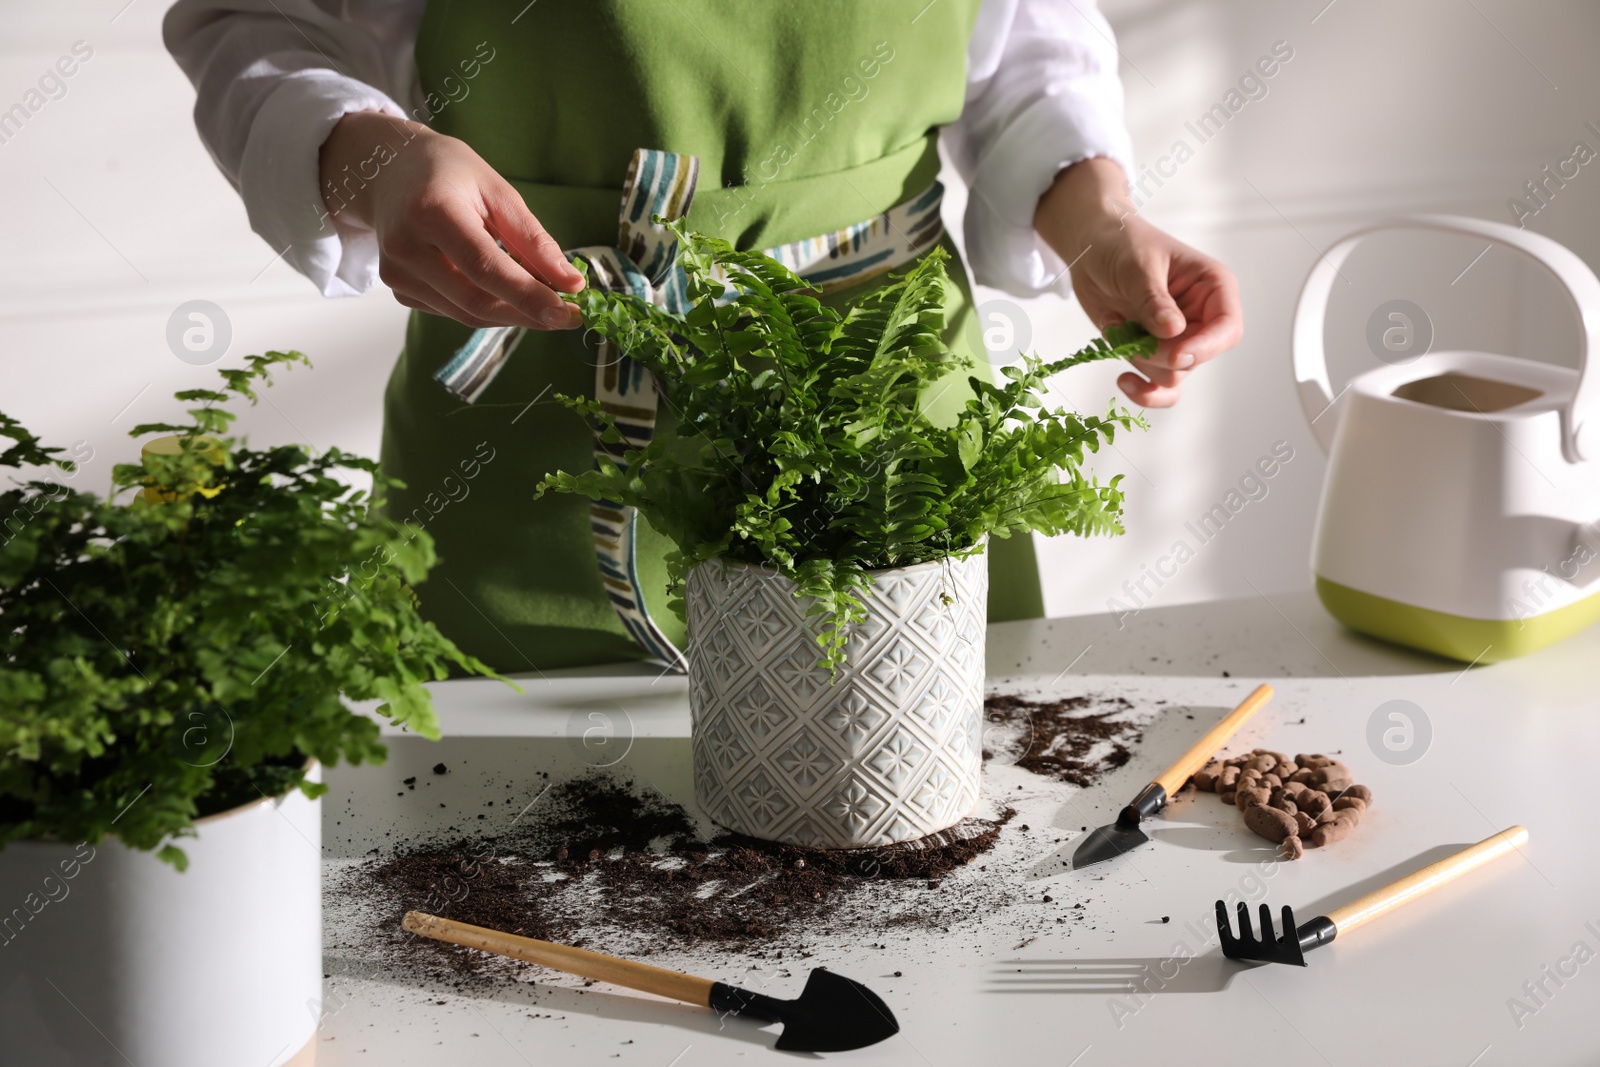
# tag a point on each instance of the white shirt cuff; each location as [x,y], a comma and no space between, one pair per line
[1003,249]
[279,179]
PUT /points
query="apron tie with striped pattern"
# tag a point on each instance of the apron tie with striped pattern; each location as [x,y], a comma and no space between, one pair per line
[644,262]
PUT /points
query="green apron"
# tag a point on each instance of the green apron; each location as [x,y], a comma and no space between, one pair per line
[806,117]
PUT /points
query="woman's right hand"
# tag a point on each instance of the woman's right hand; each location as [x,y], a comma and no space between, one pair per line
[438,209]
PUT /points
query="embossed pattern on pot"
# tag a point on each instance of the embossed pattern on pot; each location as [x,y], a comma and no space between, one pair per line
[889,752]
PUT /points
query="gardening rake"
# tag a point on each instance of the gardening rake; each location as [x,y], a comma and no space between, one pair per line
[1295,941]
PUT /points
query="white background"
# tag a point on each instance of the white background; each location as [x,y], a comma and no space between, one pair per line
[113,215]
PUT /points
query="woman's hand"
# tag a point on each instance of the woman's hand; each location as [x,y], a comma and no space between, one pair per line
[1124,269]
[438,209]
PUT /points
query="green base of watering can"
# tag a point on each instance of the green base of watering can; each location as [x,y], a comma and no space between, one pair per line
[1454,636]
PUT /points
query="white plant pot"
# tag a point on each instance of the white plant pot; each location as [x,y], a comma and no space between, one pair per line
[109,956]
[890,751]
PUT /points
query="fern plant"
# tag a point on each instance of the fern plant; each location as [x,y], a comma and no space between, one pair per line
[797,435]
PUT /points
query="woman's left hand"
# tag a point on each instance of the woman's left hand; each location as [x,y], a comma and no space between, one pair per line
[1124,269]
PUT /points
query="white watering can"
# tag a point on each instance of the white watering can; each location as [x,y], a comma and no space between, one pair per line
[1461,511]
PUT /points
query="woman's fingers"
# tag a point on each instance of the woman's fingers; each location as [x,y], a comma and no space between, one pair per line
[1157,372]
[1158,311]
[1215,315]
[511,223]
[480,304]
[1152,385]
[481,278]
[1147,394]
[412,285]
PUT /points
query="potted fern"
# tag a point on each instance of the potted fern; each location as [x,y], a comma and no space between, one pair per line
[172,672]
[830,536]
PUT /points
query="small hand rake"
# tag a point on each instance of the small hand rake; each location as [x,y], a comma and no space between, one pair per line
[1292,945]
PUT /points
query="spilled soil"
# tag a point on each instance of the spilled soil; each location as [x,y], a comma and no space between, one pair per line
[611,863]
[1060,739]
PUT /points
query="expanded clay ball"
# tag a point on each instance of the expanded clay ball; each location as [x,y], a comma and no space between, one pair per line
[1205,779]
[1332,779]
[1292,848]
[1328,833]
[1246,799]
[1314,803]
[1270,823]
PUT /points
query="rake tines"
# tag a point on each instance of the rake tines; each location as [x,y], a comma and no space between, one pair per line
[1284,948]
[1292,945]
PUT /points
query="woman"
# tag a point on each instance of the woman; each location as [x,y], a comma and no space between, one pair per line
[411,141]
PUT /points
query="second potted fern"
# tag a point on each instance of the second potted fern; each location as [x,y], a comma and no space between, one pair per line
[830,536]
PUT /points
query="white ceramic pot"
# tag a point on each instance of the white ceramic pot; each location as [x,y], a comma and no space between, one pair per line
[109,956]
[890,751]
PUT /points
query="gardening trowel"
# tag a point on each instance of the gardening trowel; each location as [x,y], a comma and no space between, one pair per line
[1111,841]
[832,1014]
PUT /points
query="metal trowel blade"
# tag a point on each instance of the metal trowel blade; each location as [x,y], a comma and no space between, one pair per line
[1106,843]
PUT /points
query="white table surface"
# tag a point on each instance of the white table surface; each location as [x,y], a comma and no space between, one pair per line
[1433,983]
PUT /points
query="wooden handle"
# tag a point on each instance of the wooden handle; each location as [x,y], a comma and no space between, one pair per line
[1429,878]
[674,985]
[1173,777]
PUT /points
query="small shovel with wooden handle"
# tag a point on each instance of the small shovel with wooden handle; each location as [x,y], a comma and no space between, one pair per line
[1111,841]
[1292,945]
[832,1014]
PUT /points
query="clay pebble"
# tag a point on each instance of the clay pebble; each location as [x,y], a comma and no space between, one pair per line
[1246,799]
[1328,833]
[1270,823]
[1314,802]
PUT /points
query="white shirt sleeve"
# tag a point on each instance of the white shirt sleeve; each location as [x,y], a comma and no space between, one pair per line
[272,77]
[1042,94]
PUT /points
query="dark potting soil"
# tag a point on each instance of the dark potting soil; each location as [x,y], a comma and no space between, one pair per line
[612,862]
[617,855]
[1062,738]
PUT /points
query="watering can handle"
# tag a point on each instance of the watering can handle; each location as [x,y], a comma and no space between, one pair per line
[1580,421]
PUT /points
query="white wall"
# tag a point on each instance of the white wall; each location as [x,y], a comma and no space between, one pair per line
[1385,108]
[113,216]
